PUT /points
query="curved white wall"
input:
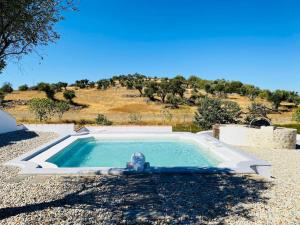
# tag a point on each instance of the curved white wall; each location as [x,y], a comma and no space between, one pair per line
[7,123]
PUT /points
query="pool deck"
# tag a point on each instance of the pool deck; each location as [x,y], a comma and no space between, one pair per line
[233,160]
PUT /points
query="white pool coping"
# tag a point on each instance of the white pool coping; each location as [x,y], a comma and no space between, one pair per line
[233,160]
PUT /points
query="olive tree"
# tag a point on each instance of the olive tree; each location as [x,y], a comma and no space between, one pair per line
[26,24]
[60,108]
[215,111]
[69,95]
[43,108]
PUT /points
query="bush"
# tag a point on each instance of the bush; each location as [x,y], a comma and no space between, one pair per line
[23,87]
[69,95]
[215,111]
[193,128]
[173,100]
[296,115]
[43,108]
[60,108]
[102,120]
[7,88]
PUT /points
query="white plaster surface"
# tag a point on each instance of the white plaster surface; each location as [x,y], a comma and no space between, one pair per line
[269,137]
[8,123]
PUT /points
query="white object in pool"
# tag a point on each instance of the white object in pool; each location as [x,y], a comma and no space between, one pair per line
[138,161]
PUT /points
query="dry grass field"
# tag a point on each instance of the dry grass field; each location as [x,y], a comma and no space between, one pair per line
[120,104]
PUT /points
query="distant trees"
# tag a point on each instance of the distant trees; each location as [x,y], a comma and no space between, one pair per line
[215,111]
[103,84]
[82,83]
[23,87]
[7,88]
[69,95]
[47,88]
[150,90]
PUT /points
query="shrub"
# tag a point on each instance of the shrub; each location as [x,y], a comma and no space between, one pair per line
[7,88]
[23,87]
[215,111]
[173,100]
[102,120]
[43,108]
[60,108]
[69,95]
[47,88]
[256,110]
[296,115]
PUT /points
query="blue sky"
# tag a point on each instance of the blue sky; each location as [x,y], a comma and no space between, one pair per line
[255,41]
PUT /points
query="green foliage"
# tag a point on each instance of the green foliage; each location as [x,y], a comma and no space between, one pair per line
[28,24]
[214,111]
[173,100]
[7,88]
[139,84]
[82,83]
[60,108]
[151,89]
[277,97]
[43,108]
[178,86]
[163,89]
[296,115]
[103,84]
[256,110]
[102,120]
[250,91]
[23,87]
[47,88]
[69,95]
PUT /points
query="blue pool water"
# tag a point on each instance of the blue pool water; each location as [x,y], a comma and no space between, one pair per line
[92,152]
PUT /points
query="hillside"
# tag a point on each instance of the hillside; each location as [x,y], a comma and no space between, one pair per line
[120,104]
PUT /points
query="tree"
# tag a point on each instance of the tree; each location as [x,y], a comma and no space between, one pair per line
[296,115]
[215,111]
[138,84]
[43,108]
[173,100]
[150,90]
[23,87]
[82,83]
[251,92]
[47,88]
[178,86]
[276,98]
[26,24]
[7,88]
[103,84]
[69,95]
[163,89]
[60,108]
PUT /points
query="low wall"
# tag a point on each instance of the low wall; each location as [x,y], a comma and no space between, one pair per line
[8,123]
[57,128]
[269,137]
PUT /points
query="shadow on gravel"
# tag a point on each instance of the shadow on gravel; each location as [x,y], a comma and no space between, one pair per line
[12,137]
[185,199]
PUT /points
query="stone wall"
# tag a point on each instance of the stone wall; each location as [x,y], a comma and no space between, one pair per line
[268,137]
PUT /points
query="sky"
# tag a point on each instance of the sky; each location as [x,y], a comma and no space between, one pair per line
[255,41]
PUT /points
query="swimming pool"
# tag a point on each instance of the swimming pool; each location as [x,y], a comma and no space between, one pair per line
[167,152]
[109,150]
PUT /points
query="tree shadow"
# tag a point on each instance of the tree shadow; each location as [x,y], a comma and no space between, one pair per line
[185,198]
[13,137]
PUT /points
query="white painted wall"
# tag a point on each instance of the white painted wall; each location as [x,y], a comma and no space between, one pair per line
[8,123]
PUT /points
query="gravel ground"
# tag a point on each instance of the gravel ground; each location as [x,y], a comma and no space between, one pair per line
[151,199]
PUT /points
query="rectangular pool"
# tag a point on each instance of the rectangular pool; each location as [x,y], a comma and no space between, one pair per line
[166,152]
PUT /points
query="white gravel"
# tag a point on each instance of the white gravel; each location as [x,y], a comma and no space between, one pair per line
[154,199]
